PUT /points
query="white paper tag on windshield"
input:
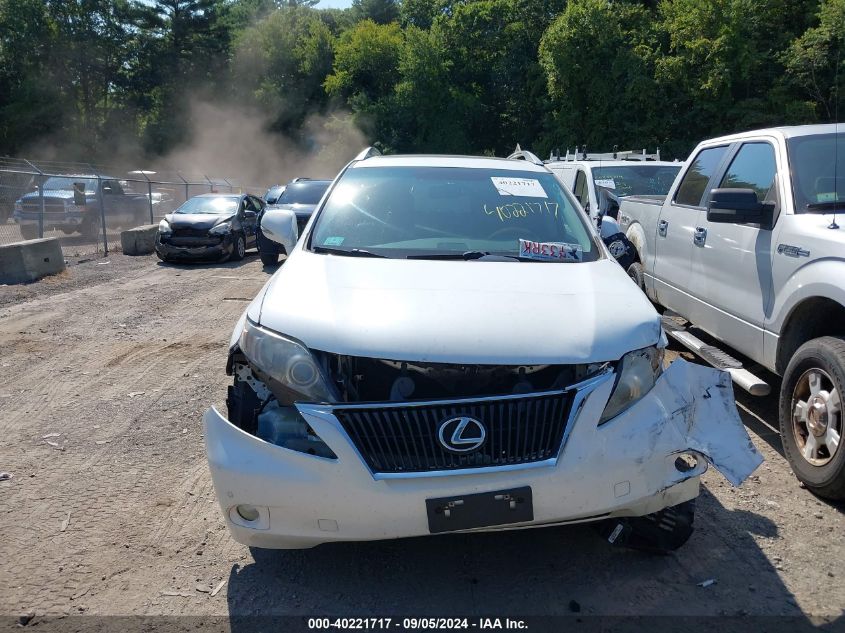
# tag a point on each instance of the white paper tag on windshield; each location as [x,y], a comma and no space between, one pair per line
[525,187]
[607,183]
[550,251]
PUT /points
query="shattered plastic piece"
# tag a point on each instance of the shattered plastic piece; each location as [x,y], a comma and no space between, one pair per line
[5,476]
[707,583]
[65,523]
[49,435]
[133,394]
[217,589]
[707,418]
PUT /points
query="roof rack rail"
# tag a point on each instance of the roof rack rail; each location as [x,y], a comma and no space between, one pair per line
[581,154]
[524,154]
[368,153]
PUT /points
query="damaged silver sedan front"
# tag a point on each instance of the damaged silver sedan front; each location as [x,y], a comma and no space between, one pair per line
[411,372]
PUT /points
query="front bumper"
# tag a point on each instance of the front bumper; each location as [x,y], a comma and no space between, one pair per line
[625,467]
[196,253]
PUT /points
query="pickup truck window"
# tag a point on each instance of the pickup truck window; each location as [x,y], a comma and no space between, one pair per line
[636,180]
[692,187]
[753,167]
[818,172]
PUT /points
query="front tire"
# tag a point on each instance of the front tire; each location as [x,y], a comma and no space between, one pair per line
[239,249]
[29,231]
[811,417]
[269,259]
[635,272]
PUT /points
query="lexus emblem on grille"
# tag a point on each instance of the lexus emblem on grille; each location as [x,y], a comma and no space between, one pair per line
[462,435]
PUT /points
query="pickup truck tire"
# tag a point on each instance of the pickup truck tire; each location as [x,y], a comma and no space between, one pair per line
[811,415]
[635,272]
[90,227]
[29,231]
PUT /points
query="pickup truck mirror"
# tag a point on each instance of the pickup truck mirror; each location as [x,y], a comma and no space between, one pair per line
[249,213]
[79,198]
[739,206]
[279,225]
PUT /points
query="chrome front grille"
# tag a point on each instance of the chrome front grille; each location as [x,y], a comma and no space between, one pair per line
[405,438]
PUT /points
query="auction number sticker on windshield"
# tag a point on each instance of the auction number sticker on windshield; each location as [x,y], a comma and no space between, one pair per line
[333,241]
[550,251]
[607,183]
[524,187]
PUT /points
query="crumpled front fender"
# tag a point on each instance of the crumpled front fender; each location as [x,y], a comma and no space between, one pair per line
[700,408]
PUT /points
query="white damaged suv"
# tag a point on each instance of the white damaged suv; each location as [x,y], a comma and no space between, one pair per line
[450,347]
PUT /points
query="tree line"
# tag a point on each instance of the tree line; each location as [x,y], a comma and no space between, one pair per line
[445,76]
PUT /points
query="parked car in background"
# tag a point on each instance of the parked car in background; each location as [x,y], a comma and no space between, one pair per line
[72,204]
[747,247]
[600,181]
[273,193]
[211,226]
[300,196]
[449,348]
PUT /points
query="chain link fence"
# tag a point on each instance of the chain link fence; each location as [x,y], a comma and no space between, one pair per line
[87,206]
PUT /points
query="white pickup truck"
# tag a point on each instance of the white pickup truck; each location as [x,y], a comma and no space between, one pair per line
[746,248]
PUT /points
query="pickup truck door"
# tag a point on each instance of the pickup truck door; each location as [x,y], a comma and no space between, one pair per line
[679,216]
[731,280]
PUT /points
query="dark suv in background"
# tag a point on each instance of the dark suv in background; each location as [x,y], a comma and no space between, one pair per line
[300,195]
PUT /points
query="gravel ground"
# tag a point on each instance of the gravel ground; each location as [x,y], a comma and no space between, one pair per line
[106,371]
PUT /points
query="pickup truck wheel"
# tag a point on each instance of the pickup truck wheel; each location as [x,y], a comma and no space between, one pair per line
[811,417]
[90,227]
[29,231]
[635,272]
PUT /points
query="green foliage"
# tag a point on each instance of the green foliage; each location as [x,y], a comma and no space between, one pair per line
[458,76]
[815,61]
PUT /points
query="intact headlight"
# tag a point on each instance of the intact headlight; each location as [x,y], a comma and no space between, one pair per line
[287,362]
[637,373]
[164,227]
[221,229]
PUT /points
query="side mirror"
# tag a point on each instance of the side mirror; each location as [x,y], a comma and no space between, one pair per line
[608,205]
[739,206]
[79,198]
[279,225]
[249,213]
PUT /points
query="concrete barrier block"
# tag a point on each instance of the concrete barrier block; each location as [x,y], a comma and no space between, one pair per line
[24,262]
[139,241]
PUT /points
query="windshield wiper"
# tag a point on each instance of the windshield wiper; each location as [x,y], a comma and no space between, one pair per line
[825,206]
[347,252]
[467,255]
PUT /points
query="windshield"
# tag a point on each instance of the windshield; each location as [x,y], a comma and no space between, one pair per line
[66,183]
[818,172]
[450,212]
[273,194]
[636,180]
[304,192]
[210,205]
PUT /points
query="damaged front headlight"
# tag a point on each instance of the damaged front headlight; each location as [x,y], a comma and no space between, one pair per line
[164,228]
[288,374]
[636,374]
[221,229]
[286,362]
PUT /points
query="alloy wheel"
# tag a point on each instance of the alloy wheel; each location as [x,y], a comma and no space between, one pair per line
[816,416]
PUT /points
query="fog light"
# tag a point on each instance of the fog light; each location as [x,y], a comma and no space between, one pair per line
[247,512]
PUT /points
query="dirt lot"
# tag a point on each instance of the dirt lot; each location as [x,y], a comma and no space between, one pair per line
[106,370]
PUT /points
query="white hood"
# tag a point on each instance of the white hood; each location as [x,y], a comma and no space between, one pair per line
[473,312]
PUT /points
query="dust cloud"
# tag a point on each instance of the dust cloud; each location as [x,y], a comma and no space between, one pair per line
[234,141]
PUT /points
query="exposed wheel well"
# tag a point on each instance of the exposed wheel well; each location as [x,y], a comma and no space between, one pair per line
[810,319]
